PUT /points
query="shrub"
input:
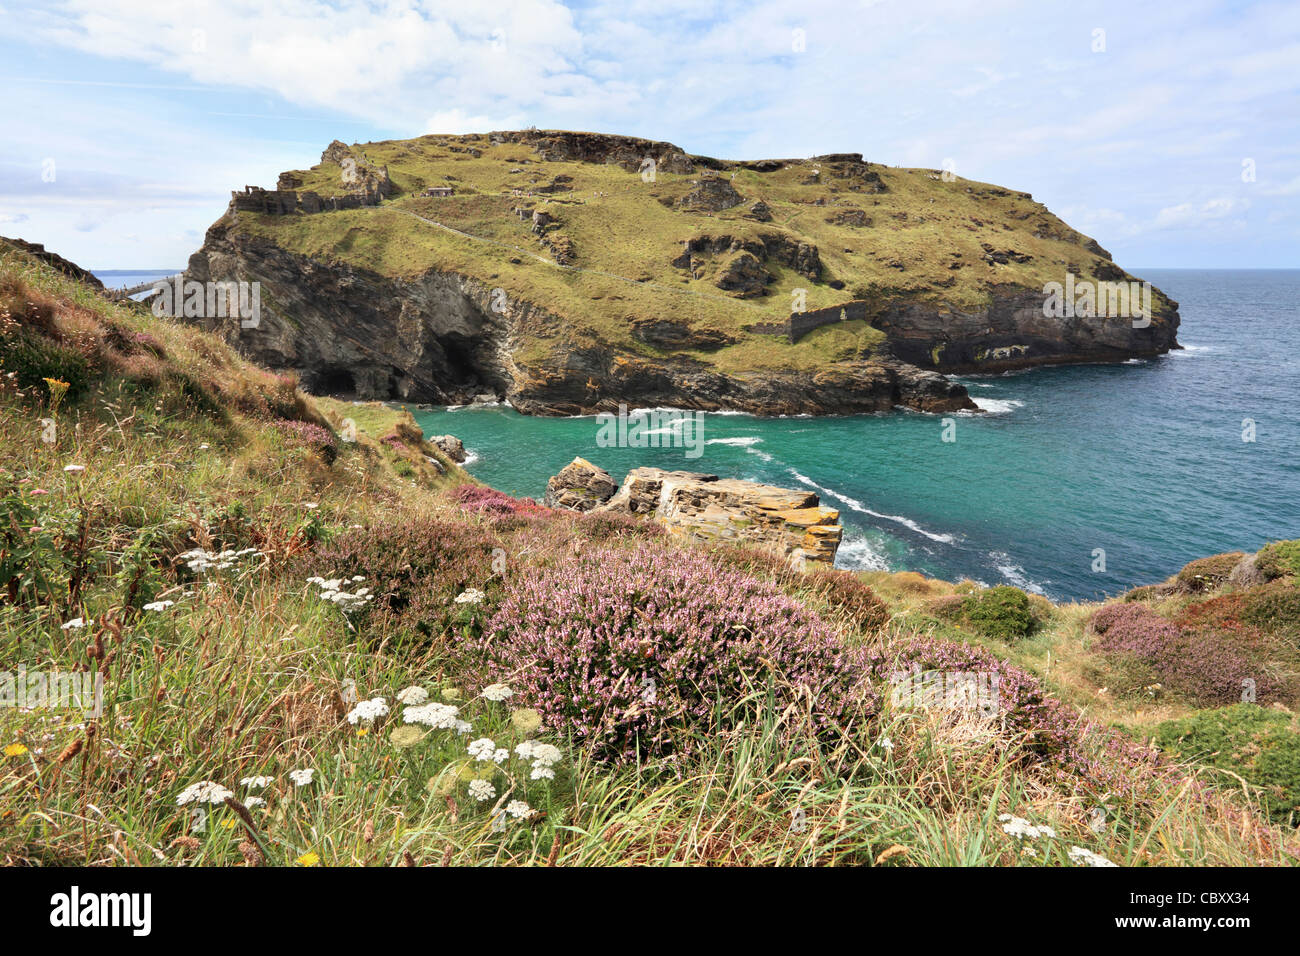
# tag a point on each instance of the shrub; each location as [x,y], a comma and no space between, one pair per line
[1224,612]
[850,598]
[606,525]
[484,500]
[1202,664]
[847,595]
[1206,574]
[34,358]
[1003,613]
[1273,607]
[415,569]
[1262,746]
[1052,733]
[1279,559]
[635,652]
[320,440]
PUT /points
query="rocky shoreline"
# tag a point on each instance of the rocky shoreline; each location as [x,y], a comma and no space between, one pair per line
[791,523]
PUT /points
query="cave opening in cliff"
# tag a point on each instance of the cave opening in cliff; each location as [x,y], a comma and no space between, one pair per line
[334,380]
[466,372]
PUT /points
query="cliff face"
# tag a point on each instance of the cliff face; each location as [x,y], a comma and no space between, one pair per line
[572,272]
[443,338]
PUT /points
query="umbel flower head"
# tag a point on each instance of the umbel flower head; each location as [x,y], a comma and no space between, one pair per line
[205,791]
[368,710]
[1021,828]
[435,715]
[412,695]
[302,778]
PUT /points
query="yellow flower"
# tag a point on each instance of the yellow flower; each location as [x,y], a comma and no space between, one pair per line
[310,858]
[57,390]
[15,750]
[227,824]
[362,731]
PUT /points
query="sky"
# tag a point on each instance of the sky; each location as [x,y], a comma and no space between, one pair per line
[1167,130]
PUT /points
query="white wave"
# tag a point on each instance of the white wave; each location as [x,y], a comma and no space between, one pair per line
[738,442]
[1014,573]
[859,507]
[470,458]
[859,554]
[999,406]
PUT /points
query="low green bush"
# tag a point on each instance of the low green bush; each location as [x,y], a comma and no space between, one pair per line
[1273,607]
[1280,559]
[1261,746]
[1001,612]
[1206,574]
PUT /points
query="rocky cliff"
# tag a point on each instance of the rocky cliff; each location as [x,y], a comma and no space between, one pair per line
[572,272]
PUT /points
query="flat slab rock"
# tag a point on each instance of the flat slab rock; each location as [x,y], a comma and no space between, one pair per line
[791,522]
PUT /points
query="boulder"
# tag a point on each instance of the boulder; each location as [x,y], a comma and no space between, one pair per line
[760,211]
[1246,573]
[580,486]
[451,446]
[711,194]
[743,275]
[791,523]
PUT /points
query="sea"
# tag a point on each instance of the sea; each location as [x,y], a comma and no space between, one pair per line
[1076,482]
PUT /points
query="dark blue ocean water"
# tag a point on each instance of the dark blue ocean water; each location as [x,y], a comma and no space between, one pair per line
[1144,460]
[126,278]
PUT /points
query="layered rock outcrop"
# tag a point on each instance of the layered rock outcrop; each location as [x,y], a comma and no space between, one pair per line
[789,522]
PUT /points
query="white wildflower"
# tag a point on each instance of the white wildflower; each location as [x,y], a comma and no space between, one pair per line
[470,596]
[484,749]
[498,692]
[368,710]
[482,790]
[1020,828]
[253,802]
[524,750]
[205,791]
[256,783]
[76,624]
[74,469]
[519,809]
[433,714]
[885,744]
[501,755]
[1079,855]
[541,773]
[412,695]
[158,605]
[301,778]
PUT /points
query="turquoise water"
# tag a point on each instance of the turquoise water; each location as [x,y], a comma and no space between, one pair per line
[1144,460]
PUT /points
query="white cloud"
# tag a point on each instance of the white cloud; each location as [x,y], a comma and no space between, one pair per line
[1190,215]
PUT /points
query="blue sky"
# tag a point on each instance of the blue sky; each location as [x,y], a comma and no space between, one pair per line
[1166,130]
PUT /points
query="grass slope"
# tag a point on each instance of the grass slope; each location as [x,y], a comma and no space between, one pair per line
[228,668]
